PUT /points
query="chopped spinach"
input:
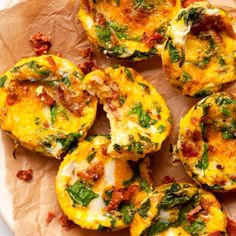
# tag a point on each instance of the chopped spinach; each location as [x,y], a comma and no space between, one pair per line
[81,193]
[158,228]
[128,213]
[117,50]
[103,33]
[227,135]
[145,87]
[217,187]
[129,74]
[144,186]
[203,163]
[186,77]
[66,80]
[122,99]
[3,80]
[192,15]
[173,52]
[222,61]
[119,30]
[161,129]
[117,2]
[142,55]
[91,156]
[225,111]
[143,210]
[195,228]
[53,113]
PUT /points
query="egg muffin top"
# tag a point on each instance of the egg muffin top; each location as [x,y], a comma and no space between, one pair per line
[207,141]
[98,192]
[128,29]
[200,53]
[179,209]
[43,106]
[139,117]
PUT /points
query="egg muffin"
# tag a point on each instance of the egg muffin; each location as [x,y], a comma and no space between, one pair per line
[98,192]
[199,55]
[179,209]
[207,140]
[133,30]
[139,117]
[43,106]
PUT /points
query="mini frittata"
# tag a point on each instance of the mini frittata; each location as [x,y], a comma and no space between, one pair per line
[179,209]
[98,192]
[207,141]
[130,29]
[139,117]
[43,106]
[200,53]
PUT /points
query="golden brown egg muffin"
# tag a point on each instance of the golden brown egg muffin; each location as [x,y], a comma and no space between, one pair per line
[207,141]
[139,117]
[98,192]
[43,106]
[133,29]
[179,209]
[199,55]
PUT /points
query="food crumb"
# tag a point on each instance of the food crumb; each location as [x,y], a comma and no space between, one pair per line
[65,222]
[40,43]
[25,175]
[87,53]
[87,66]
[50,217]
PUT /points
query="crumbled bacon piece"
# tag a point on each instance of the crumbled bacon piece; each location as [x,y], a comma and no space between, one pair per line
[192,214]
[194,135]
[211,148]
[41,43]
[46,98]
[87,53]
[168,179]
[25,175]
[216,233]
[189,149]
[110,104]
[11,98]
[87,67]
[104,151]
[94,172]
[87,5]
[65,222]
[50,216]
[231,227]
[151,40]
[121,195]
[100,19]
[51,61]
[186,3]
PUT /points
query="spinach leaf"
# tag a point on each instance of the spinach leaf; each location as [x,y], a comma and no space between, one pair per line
[192,15]
[195,228]
[145,87]
[144,186]
[81,193]
[222,61]
[3,80]
[91,156]
[53,113]
[103,33]
[161,129]
[117,2]
[186,77]
[203,163]
[173,52]
[158,228]
[143,210]
[119,30]
[122,99]
[128,213]
[66,80]
[225,111]
[129,74]
[117,50]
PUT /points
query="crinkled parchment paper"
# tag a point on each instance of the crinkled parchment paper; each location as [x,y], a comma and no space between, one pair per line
[32,201]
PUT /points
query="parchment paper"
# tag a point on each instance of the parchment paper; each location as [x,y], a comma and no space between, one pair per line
[32,201]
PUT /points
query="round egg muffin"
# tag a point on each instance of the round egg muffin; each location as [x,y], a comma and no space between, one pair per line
[207,140]
[43,106]
[199,55]
[179,209]
[98,192]
[133,29]
[139,117]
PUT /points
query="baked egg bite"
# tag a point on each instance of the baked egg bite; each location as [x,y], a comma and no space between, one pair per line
[139,117]
[207,140]
[98,192]
[199,55]
[127,29]
[179,209]
[43,106]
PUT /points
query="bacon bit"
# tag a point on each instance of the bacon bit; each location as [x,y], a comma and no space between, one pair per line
[87,53]
[86,4]
[41,43]
[65,222]
[168,179]
[188,149]
[11,98]
[211,148]
[46,98]
[110,104]
[195,135]
[216,233]
[151,40]
[50,217]
[186,3]
[104,151]
[25,175]
[94,172]
[219,166]
[51,61]
[231,227]
[121,195]
[100,19]
[87,67]
[193,213]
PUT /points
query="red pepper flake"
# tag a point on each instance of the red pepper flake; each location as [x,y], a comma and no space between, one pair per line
[50,216]
[231,227]
[87,53]
[25,175]
[40,43]
[65,222]
[168,179]
[87,67]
